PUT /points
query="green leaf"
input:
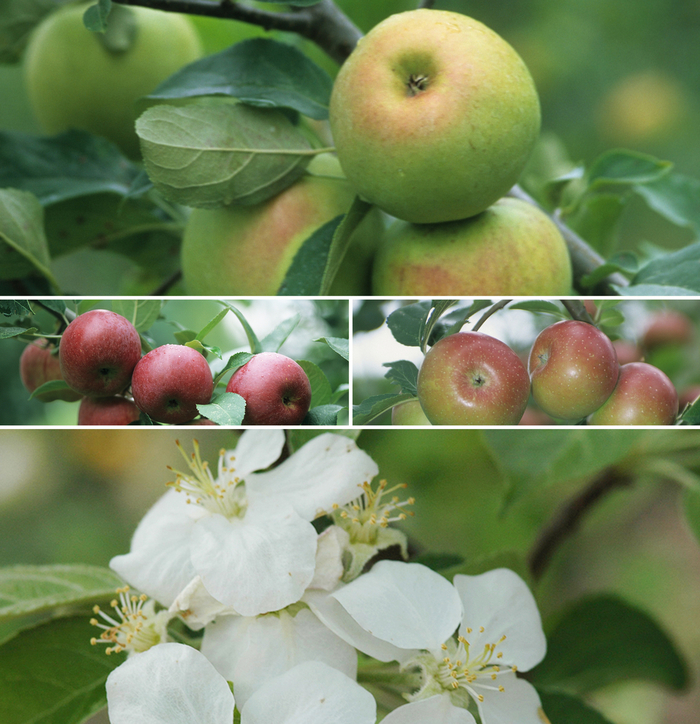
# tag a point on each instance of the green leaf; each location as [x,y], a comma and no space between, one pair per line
[7,332]
[323,415]
[453,322]
[621,166]
[253,341]
[597,219]
[691,508]
[563,708]
[226,409]
[234,362]
[339,345]
[299,3]
[405,374]
[654,290]
[52,675]
[320,386]
[210,154]
[33,589]
[439,561]
[601,640]
[626,263]
[375,406]
[691,415]
[259,72]
[407,323]
[17,20]
[279,335]
[541,307]
[95,17]
[211,325]
[62,167]
[675,197]
[439,307]
[15,307]
[47,389]
[678,269]
[25,248]
[142,313]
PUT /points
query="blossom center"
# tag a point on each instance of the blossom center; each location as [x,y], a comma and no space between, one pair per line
[224,494]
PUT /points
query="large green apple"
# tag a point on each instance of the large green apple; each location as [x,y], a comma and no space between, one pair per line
[73,81]
[511,248]
[433,116]
[247,250]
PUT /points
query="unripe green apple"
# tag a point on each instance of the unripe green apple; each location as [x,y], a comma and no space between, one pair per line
[644,395]
[433,116]
[73,81]
[470,378]
[247,250]
[512,248]
[409,413]
[573,369]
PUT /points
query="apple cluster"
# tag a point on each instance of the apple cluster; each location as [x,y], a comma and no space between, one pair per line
[433,117]
[573,374]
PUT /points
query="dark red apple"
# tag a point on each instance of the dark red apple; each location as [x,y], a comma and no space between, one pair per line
[470,378]
[644,395]
[667,326]
[170,381]
[107,411]
[275,388]
[98,353]
[39,364]
[573,369]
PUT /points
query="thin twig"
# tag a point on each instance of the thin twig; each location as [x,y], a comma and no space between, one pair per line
[568,518]
[492,310]
[577,310]
[165,285]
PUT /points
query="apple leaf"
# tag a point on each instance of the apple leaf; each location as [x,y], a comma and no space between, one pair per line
[691,508]
[234,362]
[142,313]
[14,307]
[602,640]
[279,335]
[48,388]
[626,263]
[654,290]
[453,322]
[52,675]
[299,3]
[258,72]
[320,386]
[374,406]
[675,197]
[7,332]
[677,269]
[541,307]
[213,153]
[561,708]
[340,345]
[33,589]
[323,415]
[407,323]
[95,17]
[691,415]
[226,409]
[404,374]
[625,167]
[253,341]
[211,325]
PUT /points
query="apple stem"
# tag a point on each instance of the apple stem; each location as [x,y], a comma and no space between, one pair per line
[491,310]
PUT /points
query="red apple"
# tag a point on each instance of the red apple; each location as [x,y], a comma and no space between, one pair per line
[470,378]
[688,396]
[643,396]
[275,388]
[408,413]
[170,381]
[107,411]
[573,369]
[98,353]
[665,327]
[39,364]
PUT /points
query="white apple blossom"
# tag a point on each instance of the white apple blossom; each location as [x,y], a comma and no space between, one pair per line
[244,536]
[176,684]
[408,613]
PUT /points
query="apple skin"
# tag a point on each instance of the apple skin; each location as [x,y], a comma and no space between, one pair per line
[512,248]
[74,82]
[433,116]
[667,327]
[470,378]
[247,250]
[98,353]
[170,381]
[107,411]
[409,413]
[37,365]
[275,388]
[573,369]
[644,395]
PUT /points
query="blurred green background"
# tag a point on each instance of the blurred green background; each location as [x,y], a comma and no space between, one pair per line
[70,496]
[318,318]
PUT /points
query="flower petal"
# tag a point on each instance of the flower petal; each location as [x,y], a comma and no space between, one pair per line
[197,607]
[518,702]
[168,684]
[329,558]
[406,604]
[310,693]
[501,603]
[326,470]
[255,450]
[436,710]
[255,564]
[246,650]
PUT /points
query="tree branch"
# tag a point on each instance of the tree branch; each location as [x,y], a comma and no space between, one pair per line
[577,310]
[569,517]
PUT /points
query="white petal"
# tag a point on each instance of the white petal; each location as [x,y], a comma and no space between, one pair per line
[311,693]
[329,558]
[519,702]
[338,620]
[256,450]
[327,470]
[197,607]
[168,684]
[255,565]
[501,602]
[406,604]
[247,650]
[159,561]
[435,710]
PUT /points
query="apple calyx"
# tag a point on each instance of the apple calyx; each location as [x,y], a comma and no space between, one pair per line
[417,83]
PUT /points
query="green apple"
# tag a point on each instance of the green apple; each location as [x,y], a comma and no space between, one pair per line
[512,248]
[73,81]
[247,250]
[409,413]
[433,116]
